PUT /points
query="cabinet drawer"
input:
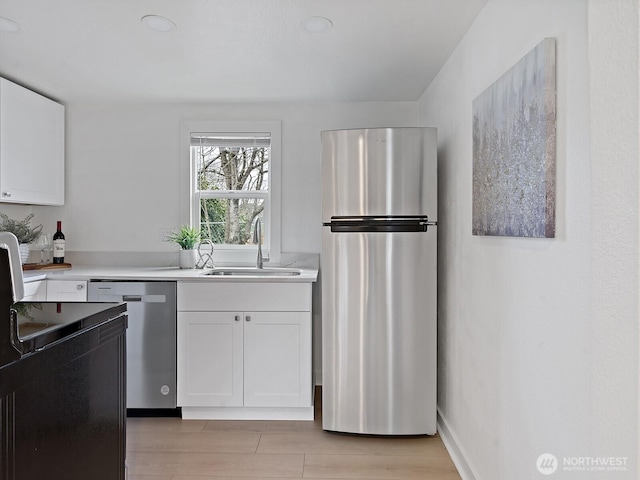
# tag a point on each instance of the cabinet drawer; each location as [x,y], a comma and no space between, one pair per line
[66,291]
[206,296]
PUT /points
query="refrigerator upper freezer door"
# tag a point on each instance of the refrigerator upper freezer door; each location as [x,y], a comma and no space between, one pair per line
[380,171]
[378,332]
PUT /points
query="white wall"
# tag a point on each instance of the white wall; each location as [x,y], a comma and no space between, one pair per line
[614,68]
[524,324]
[123,172]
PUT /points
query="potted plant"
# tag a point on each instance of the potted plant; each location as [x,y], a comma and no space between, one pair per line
[23,231]
[187,238]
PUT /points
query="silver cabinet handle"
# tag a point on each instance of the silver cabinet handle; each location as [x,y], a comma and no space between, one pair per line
[6,194]
[248,318]
[79,286]
[237,318]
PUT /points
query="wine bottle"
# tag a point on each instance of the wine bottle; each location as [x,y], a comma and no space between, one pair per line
[58,245]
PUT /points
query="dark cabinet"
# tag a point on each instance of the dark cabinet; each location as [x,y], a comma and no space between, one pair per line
[63,407]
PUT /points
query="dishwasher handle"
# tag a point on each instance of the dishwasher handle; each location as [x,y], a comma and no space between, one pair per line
[132,298]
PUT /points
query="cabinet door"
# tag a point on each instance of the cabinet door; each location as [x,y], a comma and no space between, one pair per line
[277,356]
[210,359]
[66,291]
[31,147]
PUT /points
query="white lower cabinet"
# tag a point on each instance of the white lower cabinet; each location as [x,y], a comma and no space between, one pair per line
[277,359]
[235,363]
[66,290]
[55,291]
[210,359]
[35,291]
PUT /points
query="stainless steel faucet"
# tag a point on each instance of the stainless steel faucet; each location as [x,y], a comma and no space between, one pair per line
[257,238]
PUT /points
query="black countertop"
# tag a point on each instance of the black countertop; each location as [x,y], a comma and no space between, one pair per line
[41,324]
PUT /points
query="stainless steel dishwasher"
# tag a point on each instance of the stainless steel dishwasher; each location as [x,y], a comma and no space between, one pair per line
[151,339]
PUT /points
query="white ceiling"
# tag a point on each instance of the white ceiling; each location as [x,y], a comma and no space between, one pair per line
[231,50]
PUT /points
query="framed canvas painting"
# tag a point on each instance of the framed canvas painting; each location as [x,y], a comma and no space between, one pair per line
[514,149]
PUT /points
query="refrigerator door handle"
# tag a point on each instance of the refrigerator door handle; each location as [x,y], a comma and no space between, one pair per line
[378,218]
[384,224]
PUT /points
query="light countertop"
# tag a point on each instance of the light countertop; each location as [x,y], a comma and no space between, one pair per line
[89,272]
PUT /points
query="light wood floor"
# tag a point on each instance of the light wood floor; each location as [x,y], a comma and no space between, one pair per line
[175,449]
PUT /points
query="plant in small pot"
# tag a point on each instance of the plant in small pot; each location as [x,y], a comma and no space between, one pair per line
[187,238]
[23,231]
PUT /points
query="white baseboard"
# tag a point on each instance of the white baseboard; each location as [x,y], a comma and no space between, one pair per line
[454,449]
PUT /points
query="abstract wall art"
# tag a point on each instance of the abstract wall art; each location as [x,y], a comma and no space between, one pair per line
[514,149]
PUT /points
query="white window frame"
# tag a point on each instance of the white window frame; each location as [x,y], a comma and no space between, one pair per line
[190,200]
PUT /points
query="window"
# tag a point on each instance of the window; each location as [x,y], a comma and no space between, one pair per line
[232,184]
[234,178]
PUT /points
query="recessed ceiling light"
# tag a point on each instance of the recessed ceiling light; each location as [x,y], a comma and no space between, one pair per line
[156,22]
[317,24]
[8,25]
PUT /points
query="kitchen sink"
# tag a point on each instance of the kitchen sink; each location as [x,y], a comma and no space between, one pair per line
[254,272]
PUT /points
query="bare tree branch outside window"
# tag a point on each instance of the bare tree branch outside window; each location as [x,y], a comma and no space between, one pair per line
[233,182]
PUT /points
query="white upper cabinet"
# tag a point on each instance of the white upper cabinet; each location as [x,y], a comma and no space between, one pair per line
[31,147]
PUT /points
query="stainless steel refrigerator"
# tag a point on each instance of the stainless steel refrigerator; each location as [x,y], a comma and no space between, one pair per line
[379,207]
